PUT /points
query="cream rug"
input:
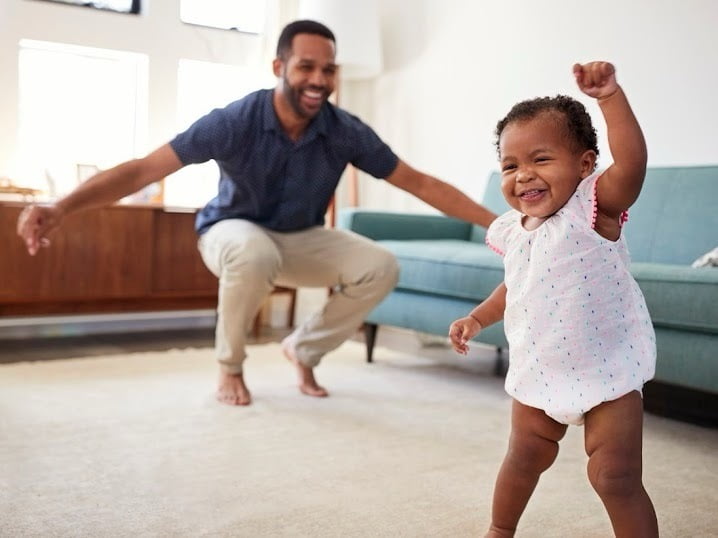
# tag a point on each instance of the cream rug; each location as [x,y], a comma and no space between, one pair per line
[135,445]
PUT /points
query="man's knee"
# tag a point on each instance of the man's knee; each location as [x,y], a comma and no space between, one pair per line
[250,258]
[232,245]
[376,269]
[389,268]
[614,476]
[384,274]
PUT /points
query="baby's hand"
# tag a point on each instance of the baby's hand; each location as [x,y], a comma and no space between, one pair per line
[596,79]
[461,331]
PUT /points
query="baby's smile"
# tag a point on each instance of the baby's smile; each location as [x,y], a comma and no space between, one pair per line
[532,195]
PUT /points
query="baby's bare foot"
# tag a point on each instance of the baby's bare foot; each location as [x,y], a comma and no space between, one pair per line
[307,384]
[231,390]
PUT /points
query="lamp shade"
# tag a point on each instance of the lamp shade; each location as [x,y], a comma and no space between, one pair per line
[355,24]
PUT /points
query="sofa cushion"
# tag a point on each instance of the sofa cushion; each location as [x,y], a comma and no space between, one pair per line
[495,201]
[455,268]
[384,225]
[674,220]
[678,296]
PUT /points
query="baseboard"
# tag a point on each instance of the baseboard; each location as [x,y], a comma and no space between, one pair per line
[84,325]
[681,403]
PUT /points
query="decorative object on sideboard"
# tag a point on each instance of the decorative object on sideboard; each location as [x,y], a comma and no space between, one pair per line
[8,187]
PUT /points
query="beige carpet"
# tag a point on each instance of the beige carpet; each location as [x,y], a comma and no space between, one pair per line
[135,445]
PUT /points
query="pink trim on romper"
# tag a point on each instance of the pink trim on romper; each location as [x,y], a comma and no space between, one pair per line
[495,249]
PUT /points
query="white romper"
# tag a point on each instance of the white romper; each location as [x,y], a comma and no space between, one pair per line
[576,321]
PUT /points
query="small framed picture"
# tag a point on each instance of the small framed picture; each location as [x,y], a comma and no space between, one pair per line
[119,6]
[86,171]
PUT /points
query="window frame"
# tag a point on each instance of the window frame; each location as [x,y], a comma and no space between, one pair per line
[259,28]
[66,174]
[135,6]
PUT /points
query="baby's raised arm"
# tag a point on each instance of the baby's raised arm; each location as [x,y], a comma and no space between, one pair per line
[621,183]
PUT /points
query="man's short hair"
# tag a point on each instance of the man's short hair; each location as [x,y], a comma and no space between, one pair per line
[284,45]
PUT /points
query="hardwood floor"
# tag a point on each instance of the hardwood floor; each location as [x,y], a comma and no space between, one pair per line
[39,349]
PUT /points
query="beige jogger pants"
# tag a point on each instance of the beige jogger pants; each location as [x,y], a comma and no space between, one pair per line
[249,260]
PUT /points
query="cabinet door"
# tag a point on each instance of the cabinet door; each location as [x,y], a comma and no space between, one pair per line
[178,266]
[97,254]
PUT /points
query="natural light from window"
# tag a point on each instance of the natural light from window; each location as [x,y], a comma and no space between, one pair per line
[79,108]
[122,6]
[201,87]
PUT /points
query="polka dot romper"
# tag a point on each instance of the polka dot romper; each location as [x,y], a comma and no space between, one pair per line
[576,321]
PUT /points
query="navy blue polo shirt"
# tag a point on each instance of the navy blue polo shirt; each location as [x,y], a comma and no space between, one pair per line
[267,178]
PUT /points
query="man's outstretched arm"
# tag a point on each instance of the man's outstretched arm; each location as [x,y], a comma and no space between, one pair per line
[104,188]
[444,197]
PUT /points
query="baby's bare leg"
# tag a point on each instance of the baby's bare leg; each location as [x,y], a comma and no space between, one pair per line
[614,433]
[533,447]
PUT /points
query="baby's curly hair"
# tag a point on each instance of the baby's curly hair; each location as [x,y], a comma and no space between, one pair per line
[578,126]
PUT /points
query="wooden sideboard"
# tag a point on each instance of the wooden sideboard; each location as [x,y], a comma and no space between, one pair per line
[116,259]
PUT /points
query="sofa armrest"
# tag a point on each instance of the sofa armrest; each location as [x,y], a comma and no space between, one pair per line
[379,225]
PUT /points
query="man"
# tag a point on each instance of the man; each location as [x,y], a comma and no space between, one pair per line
[280,153]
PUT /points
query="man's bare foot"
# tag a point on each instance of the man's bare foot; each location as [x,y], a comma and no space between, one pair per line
[307,384]
[231,390]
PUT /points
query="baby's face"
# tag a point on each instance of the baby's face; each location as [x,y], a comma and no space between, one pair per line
[539,168]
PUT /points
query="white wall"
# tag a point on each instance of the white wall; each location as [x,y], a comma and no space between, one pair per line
[158,33]
[453,68]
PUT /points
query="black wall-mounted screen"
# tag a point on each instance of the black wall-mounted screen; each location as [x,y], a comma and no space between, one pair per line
[120,6]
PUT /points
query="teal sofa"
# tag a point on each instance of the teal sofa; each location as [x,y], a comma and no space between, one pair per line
[446,269]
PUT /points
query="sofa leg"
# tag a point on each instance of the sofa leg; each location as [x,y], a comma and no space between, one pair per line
[499,364]
[370,330]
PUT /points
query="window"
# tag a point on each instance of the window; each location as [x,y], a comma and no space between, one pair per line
[121,6]
[79,108]
[242,15]
[202,86]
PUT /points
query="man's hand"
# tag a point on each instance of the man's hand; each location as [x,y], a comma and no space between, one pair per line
[461,331]
[33,225]
[596,79]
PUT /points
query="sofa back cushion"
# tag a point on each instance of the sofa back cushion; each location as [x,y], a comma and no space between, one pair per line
[494,200]
[380,225]
[674,220]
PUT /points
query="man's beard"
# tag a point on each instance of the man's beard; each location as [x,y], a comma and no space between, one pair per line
[294,95]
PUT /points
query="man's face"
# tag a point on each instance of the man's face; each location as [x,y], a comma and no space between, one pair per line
[308,75]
